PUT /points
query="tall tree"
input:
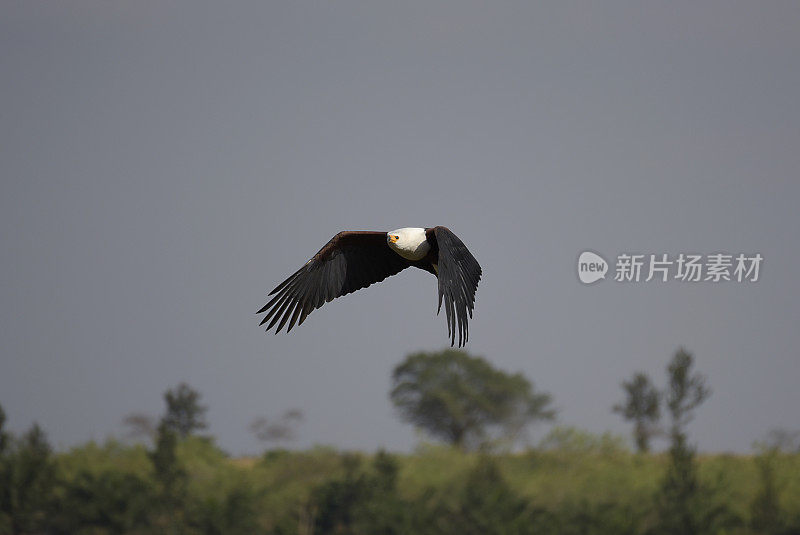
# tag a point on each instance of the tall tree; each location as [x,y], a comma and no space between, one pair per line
[685,391]
[642,406]
[27,474]
[462,399]
[4,438]
[184,412]
[164,456]
[679,504]
[5,476]
[171,477]
[766,514]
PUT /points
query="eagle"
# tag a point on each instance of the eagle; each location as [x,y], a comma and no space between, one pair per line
[353,260]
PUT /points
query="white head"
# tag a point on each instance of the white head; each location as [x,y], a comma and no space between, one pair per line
[410,243]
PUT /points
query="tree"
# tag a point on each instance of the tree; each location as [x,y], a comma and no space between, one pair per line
[168,470]
[184,412]
[462,399]
[4,438]
[106,501]
[171,477]
[27,475]
[766,514]
[642,406]
[363,501]
[782,440]
[140,425]
[487,504]
[5,479]
[282,430]
[231,511]
[679,506]
[685,391]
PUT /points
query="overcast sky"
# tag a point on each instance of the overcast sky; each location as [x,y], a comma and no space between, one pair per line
[164,165]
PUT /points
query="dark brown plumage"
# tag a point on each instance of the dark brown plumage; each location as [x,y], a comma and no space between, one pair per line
[352,260]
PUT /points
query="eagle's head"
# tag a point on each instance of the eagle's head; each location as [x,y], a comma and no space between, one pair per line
[410,243]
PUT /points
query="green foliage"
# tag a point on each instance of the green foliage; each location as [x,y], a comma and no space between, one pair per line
[573,440]
[231,512]
[462,399]
[576,486]
[685,390]
[575,483]
[487,505]
[112,455]
[362,502]
[104,502]
[642,406]
[4,438]
[168,471]
[679,490]
[767,517]
[26,478]
[588,518]
[184,412]
[681,506]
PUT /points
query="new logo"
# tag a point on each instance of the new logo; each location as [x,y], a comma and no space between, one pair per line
[591,267]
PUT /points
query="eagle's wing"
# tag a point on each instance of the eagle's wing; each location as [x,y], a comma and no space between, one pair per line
[351,260]
[458,274]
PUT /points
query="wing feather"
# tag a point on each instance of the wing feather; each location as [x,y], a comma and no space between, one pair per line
[350,261]
[458,276]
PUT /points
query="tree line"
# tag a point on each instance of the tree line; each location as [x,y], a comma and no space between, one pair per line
[181,482]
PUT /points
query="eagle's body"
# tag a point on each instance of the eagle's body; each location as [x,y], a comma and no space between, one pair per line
[352,260]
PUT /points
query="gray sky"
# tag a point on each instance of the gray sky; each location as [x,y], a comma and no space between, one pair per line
[163,165]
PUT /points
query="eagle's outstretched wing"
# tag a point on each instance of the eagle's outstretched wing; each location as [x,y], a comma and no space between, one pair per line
[348,262]
[458,274]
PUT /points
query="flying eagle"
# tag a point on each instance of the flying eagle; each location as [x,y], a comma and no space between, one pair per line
[355,259]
